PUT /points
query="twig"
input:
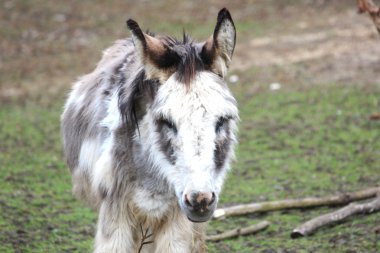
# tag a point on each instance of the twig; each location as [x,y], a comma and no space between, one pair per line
[238,231]
[144,237]
[373,10]
[340,199]
[352,209]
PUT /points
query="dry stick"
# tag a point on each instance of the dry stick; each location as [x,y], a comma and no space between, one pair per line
[144,237]
[352,209]
[238,231]
[340,199]
[372,9]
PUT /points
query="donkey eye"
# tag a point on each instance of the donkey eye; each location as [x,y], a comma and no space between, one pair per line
[221,123]
[169,124]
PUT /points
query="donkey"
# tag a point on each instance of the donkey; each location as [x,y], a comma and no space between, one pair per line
[149,136]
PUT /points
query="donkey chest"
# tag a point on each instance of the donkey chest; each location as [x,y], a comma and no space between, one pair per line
[154,204]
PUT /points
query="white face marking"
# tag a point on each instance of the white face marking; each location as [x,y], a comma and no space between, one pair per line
[194,112]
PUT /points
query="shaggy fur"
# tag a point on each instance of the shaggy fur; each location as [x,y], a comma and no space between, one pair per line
[150,132]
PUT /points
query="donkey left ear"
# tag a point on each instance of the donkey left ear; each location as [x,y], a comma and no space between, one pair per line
[154,55]
[219,48]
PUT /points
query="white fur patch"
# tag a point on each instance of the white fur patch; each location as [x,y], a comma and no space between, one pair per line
[102,172]
[89,154]
[113,119]
[195,113]
[153,205]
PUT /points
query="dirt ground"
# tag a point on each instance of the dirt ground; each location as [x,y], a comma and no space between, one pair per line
[295,42]
[322,43]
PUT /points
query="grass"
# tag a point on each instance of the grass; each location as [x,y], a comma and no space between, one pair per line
[38,213]
[293,143]
[296,143]
[302,140]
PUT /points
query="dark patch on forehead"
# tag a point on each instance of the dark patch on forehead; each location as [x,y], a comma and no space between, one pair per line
[184,57]
[189,65]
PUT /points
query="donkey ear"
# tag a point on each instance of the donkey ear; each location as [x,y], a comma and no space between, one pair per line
[219,48]
[151,50]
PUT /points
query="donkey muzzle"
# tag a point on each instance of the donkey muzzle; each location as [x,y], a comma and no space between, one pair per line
[199,206]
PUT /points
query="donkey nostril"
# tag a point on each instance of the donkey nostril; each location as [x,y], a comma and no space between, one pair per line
[212,199]
[199,201]
[187,201]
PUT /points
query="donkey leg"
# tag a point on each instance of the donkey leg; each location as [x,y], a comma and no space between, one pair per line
[114,234]
[179,235]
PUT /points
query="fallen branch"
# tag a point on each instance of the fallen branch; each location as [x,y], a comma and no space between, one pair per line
[340,199]
[239,231]
[352,209]
[373,11]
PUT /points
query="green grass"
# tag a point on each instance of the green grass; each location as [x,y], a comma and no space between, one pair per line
[303,140]
[293,143]
[37,211]
[306,142]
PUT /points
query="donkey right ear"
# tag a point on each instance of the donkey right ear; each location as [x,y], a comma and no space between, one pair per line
[150,49]
[219,48]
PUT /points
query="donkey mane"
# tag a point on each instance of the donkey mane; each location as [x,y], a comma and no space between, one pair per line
[189,59]
[129,97]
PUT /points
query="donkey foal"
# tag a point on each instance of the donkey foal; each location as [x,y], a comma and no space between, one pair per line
[149,137]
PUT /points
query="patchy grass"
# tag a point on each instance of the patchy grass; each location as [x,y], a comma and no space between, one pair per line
[302,140]
[38,212]
[293,143]
[297,143]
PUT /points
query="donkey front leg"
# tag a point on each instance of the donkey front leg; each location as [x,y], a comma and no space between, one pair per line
[114,234]
[179,235]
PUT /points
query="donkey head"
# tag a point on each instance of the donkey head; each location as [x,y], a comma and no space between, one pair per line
[187,128]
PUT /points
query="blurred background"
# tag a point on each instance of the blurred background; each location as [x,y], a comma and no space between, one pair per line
[306,74]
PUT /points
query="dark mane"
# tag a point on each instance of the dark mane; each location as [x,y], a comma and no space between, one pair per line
[188,60]
[131,100]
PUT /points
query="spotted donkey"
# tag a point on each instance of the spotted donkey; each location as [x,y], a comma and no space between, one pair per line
[149,137]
